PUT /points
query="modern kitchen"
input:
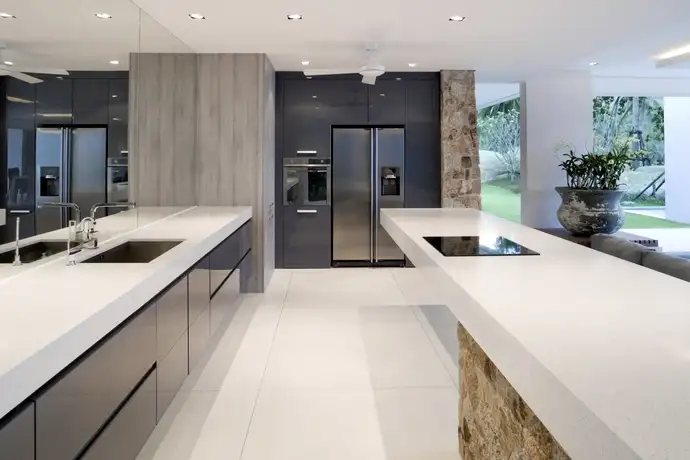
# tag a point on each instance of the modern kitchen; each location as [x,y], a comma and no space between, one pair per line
[208,249]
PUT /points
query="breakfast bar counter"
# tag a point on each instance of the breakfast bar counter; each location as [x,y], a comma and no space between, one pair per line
[570,353]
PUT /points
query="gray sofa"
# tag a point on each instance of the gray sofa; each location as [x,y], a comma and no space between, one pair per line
[677,266]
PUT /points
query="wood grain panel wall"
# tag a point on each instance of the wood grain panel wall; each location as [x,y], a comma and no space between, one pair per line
[203,132]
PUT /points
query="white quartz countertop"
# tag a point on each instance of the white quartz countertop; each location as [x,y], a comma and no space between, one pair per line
[52,313]
[598,347]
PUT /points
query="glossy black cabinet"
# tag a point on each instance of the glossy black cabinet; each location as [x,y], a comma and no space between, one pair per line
[307,236]
[128,431]
[54,102]
[387,103]
[199,310]
[73,408]
[17,434]
[117,118]
[91,101]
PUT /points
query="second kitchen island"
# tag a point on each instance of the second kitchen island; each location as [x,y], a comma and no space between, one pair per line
[91,355]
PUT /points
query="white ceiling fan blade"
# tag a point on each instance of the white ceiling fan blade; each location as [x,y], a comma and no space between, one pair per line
[316,72]
[25,77]
[369,79]
[46,71]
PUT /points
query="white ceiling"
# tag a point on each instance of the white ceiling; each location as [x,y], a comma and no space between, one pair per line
[504,41]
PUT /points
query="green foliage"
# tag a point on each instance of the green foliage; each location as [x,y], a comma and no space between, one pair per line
[616,117]
[598,171]
[499,131]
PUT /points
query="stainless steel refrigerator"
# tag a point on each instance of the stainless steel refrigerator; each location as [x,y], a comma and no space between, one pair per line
[368,175]
[70,167]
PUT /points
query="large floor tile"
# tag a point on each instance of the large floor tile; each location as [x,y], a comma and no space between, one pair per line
[400,355]
[416,289]
[223,434]
[178,431]
[314,425]
[419,424]
[343,287]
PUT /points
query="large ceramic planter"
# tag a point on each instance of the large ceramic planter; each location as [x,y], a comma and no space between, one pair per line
[586,212]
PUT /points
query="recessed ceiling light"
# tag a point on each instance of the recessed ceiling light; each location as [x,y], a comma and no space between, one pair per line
[114,62]
[313,97]
[7,16]
[412,64]
[309,78]
[294,17]
[8,63]
[398,79]
[305,63]
[116,119]
[456,18]
[103,16]
[197,16]
[592,64]
[114,95]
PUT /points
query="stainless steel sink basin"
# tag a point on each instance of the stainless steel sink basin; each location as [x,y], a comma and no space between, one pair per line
[35,251]
[133,252]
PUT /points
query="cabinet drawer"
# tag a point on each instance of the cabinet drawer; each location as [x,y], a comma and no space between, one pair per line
[172,371]
[228,254]
[307,237]
[171,317]
[75,407]
[127,433]
[199,289]
[17,435]
[199,335]
[227,297]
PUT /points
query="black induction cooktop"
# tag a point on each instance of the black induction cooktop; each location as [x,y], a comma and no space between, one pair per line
[464,246]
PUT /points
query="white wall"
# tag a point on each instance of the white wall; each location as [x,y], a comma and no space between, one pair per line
[554,110]
[677,148]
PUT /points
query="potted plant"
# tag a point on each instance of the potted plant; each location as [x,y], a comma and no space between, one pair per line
[590,202]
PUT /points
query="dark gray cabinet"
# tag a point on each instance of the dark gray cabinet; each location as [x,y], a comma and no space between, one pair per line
[227,255]
[17,434]
[387,103]
[226,299]
[128,431]
[54,102]
[117,118]
[91,100]
[307,236]
[172,342]
[73,408]
[199,310]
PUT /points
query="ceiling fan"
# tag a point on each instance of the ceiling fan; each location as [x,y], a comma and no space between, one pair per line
[369,71]
[7,67]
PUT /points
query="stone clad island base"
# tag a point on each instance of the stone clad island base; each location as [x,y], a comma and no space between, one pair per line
[495,423]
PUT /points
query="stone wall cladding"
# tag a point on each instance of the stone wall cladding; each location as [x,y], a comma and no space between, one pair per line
[495,423]
[460,174]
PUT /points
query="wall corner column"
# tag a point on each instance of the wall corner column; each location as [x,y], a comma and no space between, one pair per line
[460,174]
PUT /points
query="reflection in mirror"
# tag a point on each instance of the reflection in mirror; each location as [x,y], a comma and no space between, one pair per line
[64,93]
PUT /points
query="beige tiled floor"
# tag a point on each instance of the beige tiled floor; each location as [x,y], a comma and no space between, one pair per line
[327,365]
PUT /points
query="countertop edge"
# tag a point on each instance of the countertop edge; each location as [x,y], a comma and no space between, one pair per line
[22,381]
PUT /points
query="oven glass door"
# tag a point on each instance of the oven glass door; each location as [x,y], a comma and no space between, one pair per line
[306,185]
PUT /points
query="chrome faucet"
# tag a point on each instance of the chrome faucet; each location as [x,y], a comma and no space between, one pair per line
[91,221]
[52,204]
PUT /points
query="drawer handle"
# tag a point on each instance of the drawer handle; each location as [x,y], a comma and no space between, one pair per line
[307,211]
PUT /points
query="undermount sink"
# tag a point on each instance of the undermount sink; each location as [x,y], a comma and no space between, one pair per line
[35,251]
[133,252]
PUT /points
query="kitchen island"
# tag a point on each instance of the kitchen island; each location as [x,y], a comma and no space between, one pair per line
[570,353]
[92,354]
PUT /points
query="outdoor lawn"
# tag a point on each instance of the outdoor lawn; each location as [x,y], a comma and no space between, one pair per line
[502,198]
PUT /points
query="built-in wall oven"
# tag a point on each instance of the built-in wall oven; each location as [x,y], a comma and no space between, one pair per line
[307,181]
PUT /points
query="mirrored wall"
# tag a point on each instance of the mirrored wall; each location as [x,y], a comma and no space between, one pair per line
[65,128]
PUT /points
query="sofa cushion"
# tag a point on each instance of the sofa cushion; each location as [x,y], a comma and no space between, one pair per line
[664,263]
[619,247]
